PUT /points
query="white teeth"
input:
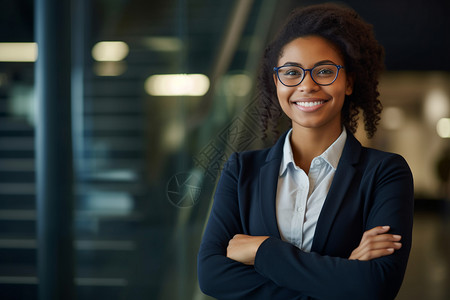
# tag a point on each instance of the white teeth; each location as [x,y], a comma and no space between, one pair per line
[309,104]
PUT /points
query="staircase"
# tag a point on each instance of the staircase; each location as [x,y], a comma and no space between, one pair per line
[17,206]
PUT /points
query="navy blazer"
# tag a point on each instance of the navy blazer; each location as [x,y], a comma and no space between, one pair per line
[370,188]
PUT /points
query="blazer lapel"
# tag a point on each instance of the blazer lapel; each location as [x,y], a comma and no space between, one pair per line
[268,181]
[341,182]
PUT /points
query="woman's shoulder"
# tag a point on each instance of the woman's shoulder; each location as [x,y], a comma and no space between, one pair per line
[260,156]
[383,159]
[378,154]
[250,157]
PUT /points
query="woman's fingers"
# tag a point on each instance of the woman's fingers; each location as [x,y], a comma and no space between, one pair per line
[384,245]
[376,254]
[376,243]
[376,231]
[379,250]
[386,237]
[378,234]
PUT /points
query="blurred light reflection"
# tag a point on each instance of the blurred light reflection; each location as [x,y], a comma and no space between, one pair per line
[174,135]
[393,118]
[110,68]
[238,85]
[436,105]
[443,128]
[18,52]
[163,44]
[109,203]
[110,51]
[177,85]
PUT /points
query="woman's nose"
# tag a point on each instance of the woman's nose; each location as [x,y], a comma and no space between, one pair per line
[308,84]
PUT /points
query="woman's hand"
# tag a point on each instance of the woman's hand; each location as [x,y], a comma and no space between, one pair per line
[243,248]
[376,243]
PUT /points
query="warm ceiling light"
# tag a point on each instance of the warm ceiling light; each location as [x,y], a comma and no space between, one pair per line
[177,85]
[18,52]
[443,128]
[110,51]
[436,105]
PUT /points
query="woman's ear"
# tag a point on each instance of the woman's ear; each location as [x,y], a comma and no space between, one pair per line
[275,79]
[349,85]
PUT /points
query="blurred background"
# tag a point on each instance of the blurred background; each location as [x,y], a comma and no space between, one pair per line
[162,92]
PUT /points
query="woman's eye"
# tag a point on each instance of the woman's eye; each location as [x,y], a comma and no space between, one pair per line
[324,71]
[292,72]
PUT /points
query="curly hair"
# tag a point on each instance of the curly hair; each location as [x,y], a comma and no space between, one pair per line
[363,59]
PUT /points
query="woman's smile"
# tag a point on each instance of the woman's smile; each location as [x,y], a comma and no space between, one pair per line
[309,105]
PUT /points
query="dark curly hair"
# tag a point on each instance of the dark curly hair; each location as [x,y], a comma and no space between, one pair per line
[363,59]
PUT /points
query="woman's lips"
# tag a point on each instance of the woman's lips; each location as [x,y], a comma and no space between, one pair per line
[310,105]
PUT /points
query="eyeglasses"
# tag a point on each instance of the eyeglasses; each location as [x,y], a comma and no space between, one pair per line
[292,75]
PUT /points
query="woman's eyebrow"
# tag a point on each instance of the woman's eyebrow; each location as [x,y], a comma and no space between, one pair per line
[289,63]
[322,62]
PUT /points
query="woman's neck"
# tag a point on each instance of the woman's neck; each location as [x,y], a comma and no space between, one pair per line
[308,143]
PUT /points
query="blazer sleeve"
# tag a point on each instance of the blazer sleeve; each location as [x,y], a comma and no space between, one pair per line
[323,277]
[219,276]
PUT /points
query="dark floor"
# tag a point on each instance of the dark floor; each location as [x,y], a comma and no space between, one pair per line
[428,273]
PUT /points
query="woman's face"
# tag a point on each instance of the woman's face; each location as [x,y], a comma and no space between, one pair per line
[308,104]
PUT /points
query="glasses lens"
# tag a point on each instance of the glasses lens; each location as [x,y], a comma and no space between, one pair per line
[290,75]
[324,74]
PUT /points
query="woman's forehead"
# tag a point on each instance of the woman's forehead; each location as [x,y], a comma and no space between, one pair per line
[310,50]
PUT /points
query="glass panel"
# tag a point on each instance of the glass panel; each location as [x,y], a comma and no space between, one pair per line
[166,97]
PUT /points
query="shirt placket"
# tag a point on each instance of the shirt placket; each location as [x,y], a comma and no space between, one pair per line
[301,196]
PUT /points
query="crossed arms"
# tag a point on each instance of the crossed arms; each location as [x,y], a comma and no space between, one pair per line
[235,265]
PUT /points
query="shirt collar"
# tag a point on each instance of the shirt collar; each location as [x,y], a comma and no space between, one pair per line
[288,157]
[331,155]
[334,152]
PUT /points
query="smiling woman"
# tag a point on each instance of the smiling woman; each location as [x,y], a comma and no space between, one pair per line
[314,103]
[316,216]
[349,49]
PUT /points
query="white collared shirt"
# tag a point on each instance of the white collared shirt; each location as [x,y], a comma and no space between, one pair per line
[300,196]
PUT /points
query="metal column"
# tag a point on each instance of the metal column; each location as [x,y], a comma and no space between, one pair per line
[54,150]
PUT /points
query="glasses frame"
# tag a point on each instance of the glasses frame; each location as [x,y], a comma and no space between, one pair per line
[339,67]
